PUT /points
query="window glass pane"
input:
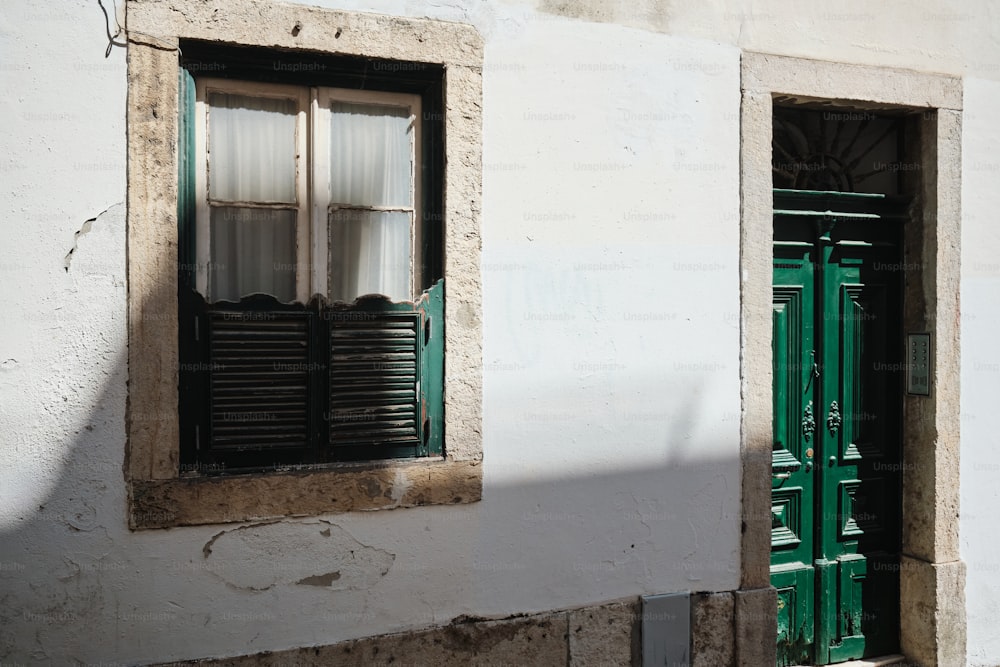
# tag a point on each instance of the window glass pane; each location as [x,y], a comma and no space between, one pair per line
[370,155]
[251,148]
[369,254]
[253,252]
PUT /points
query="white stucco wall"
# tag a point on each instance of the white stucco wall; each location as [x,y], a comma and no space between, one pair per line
[611,345]
[63,554]
[611,390]
[980,367]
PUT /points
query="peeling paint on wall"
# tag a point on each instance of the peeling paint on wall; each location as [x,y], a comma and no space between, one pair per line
[261,556]
[84,229]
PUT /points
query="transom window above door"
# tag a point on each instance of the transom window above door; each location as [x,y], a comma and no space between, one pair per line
[838,149]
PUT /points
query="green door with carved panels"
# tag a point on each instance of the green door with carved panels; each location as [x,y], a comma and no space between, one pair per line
[837,392]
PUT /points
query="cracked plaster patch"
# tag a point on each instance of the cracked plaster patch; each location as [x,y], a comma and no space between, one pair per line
[84,229]
[314,553]
[114,211]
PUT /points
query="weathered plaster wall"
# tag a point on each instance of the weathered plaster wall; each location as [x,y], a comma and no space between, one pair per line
[980,368]
[62,381]
[952,38]
[611,341]
[612,396]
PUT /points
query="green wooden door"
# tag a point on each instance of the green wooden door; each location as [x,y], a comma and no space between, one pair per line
[835,498]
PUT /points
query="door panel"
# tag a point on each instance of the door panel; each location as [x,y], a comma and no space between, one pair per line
[861,342]
[792,536]
[795,612]
[850,637]
[837,397]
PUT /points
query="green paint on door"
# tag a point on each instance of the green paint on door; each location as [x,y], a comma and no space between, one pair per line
[835,498]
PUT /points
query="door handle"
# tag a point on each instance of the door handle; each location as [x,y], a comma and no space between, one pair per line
[833,420]
[808,422]
[814,373]
[785,470]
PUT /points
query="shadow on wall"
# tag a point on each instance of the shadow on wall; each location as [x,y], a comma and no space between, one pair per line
[63,494]
[571,514]
[97,594]
[76,586]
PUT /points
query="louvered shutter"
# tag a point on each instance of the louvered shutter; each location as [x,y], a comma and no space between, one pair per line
[267,385]
[248,384]
[385,371]
[259,382]
[374,379]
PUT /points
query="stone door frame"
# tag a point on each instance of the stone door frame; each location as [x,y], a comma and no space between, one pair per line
[932,574]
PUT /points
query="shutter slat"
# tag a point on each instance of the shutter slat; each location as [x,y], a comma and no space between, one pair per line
[274,381]
[373,380]
[259,380]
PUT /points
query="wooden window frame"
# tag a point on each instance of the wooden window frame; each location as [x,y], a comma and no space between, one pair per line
[206,86]
[322,206]
[313,204]
[319,433]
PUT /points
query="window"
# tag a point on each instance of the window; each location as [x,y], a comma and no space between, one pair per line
[248,286]
[261,228]
[311,328]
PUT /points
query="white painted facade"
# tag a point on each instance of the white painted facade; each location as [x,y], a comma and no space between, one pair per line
[611,359]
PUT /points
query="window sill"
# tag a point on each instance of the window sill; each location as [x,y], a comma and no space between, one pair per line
[193,501]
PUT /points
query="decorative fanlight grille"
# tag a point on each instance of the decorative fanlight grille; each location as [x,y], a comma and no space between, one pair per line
[837,149]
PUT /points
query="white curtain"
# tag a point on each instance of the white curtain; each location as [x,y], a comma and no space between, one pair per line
[252,148]
[372,254]
[253,252]
[252,159]
[370,165]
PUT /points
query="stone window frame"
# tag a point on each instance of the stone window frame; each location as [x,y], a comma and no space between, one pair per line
[157,496]
[932,574]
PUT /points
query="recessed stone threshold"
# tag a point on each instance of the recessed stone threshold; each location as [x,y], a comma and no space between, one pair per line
[885,661]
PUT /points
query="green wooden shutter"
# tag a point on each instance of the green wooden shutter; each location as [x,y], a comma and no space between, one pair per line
[249,384]
[271,385]
[432,371]
[385,378]
[185,178]
[192,376]
[259,379]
